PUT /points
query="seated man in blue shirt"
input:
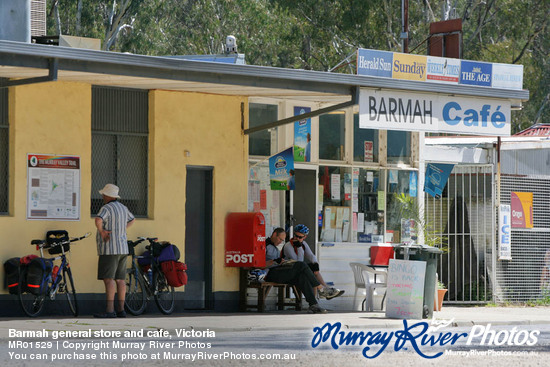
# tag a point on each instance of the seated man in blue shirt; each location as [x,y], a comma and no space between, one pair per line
[296,273]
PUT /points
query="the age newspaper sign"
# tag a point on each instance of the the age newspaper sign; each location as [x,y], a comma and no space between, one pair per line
[392,110]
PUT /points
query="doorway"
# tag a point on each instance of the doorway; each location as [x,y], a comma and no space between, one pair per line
[304,203]
[198,238]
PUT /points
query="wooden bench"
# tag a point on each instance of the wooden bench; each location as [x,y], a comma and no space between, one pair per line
[263,289]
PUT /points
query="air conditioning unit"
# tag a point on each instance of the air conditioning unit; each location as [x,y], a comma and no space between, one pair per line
[38,18]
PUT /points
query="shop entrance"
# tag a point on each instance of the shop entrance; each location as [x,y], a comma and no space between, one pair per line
[198,238]
[304,202]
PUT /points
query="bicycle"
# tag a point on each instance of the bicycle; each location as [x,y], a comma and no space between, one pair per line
[139,288]
[61,282]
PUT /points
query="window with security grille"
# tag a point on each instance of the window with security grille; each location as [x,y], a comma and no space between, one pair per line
[4,158]
[120,135]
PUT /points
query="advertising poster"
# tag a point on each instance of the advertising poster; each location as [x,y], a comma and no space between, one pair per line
[374,63]
[335,186]
[438,69]
[522,209]
[369,151]
[281,170]
[302,136]
[409,67]
[53,187]
[443,70]
[476,73]
[437,175]
[413,183]
[347,186]
[504,232]
[507,76]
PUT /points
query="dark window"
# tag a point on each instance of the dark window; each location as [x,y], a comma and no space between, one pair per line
[399,146]
[4,151]
[259,143]
[360,136]
[120,133]
[332,129]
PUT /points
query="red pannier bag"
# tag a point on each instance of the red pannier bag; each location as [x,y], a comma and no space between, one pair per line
[174,271]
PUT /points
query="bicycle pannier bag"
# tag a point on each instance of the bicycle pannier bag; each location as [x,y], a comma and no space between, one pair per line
[145,258]
[169,253]
[175,274]
[53,237]
[12,269]
[157,247]
[165,252]
[38,272]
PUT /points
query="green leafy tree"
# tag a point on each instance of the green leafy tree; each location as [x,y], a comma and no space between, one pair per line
[319,34]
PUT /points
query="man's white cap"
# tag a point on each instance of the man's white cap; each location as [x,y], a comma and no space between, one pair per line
[110,190]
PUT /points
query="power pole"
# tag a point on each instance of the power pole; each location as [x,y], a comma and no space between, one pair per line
[405,26]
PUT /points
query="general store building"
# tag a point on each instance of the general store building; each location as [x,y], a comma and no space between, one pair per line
[176,136]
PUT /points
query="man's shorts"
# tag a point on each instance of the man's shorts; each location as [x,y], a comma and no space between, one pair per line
[111,267]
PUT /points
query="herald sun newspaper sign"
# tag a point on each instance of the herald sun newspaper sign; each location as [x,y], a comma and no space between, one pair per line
[393,110]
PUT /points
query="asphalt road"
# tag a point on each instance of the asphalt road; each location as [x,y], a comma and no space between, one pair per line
[288,347]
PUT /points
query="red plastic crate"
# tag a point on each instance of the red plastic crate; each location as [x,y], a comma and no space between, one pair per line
[381,255]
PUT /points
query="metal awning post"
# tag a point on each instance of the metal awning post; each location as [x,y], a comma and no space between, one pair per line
[288,120]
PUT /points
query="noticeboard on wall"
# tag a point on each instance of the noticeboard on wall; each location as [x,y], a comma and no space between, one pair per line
[53,187]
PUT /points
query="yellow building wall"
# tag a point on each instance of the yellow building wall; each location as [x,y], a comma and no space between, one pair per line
[185,129]
[50,118]
[193,129]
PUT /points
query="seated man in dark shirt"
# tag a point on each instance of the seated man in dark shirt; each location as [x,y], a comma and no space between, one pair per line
[295,273]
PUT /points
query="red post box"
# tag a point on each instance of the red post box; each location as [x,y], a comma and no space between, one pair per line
[245,240]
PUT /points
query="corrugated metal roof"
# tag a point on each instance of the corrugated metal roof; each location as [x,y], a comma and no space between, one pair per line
[21,60]
[536,130]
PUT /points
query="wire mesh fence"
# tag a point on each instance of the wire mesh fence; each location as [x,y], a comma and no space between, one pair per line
[527,276]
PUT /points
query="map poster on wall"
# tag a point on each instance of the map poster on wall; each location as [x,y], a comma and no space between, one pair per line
[405,289]
[53,187]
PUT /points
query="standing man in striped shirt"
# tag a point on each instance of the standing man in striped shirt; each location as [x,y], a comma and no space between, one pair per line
[112,247]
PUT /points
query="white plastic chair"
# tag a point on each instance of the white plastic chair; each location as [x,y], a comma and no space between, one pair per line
[369,279]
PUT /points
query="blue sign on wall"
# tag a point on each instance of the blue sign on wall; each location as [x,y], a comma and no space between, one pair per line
[476,73]
[374,63]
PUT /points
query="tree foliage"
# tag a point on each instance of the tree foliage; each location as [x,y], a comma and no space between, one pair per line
[319,34]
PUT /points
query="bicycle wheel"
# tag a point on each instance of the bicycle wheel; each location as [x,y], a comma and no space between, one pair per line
[136,297]
[67,285]
[32,304]
[165,297]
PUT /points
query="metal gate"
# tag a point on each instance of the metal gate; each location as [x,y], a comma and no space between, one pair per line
[465,221]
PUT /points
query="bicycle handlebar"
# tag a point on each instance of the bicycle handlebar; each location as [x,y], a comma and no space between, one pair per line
[43,243]
[140,240]
[88,234]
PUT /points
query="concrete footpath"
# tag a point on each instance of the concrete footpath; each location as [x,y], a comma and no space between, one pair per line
[282,320]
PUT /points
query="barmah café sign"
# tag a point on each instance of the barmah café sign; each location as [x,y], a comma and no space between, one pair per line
[408,111]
